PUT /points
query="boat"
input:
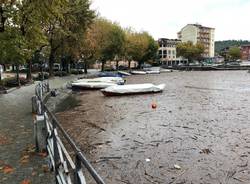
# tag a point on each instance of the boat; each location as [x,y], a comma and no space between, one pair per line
[135,72]
[153,72]
[131,89]
[109,74]
[124,73]
[92,85]
[117,80]
[166,70]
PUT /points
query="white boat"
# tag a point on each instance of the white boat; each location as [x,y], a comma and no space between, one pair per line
[166,70]
[138,72]
[132,89]
[117,80]
[92,85]
[153,72]
[124,73]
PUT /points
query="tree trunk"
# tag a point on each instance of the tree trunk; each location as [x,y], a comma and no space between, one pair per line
[17,75]
[13,68]
[129,64]
[51,62]
[85,67]
[117,64]
[103,63]
[29,76]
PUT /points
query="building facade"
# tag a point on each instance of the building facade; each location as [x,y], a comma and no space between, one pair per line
[245,52]
[167,52]
[197,33]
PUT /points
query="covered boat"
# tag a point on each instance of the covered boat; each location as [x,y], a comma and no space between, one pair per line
[108,74]
[124,73]
[153,72]
[166,70]
[117,80]
[92,85]
[138,72]
[132,89]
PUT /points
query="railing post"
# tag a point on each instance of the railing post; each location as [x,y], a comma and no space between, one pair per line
[55,150]
[77,169]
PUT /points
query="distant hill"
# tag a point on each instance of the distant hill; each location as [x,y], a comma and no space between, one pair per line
[219,45]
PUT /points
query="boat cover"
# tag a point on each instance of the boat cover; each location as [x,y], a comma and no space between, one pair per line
[134,88]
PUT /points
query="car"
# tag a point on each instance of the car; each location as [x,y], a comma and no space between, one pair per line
[122,67]
[57,67]
[1,69]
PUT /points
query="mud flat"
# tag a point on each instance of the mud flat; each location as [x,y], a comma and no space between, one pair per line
[199,132]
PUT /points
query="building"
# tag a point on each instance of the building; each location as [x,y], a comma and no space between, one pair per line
[197,33]
[167,52]
[245,52]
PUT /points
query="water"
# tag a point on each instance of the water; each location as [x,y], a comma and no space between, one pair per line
[201,124]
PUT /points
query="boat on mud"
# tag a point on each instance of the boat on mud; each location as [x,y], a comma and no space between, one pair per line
[124,73]
[153,72]
[136,72]
[117,80]
[91,85]
[132,89]
[109,74]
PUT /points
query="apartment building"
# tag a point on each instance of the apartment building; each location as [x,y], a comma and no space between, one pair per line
[245,52]
[167,52]
[197,33]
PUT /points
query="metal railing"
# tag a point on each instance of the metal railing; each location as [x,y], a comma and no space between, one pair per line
[68,167]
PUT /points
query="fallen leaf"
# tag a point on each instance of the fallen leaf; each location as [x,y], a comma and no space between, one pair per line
[3,140]
[43,154]
[26,181]
[45,168]
[7,169]
[24,159]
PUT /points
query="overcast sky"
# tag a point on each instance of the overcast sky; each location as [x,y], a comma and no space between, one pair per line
[164,18]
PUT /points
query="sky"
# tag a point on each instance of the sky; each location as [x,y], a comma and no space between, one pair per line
[164,18]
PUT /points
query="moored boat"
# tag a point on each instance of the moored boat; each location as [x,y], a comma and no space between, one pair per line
[135,72]
[132,89]
[92,85]
[124,73]
[153,72]
[117,80]
[166,70]
[108,74]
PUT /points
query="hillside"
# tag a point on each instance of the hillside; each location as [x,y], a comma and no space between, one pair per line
[228,43]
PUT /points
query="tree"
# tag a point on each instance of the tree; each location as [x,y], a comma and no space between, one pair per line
[20,32]
[190,51]
[69,20]
[234,53]
[139,46]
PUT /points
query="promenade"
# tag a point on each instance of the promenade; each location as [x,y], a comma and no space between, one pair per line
[19,163]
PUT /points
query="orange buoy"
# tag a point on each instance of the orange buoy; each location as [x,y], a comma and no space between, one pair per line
[153,105]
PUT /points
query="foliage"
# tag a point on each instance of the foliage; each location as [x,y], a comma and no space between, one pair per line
[220,45]
[12,82]
[190,51]
[139,46]
[234,53]
[66,30]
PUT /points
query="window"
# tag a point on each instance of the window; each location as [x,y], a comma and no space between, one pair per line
[169,52]
[173,52]
[165,52]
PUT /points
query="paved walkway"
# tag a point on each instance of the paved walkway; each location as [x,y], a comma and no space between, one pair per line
[18,160]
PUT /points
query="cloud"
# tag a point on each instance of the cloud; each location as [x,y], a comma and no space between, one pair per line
[164,18]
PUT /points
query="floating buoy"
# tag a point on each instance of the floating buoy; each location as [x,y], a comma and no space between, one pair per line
[153,105]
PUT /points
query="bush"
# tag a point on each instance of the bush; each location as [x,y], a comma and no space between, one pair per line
[12,82]
[76,72]
[40,77]
[60,73]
